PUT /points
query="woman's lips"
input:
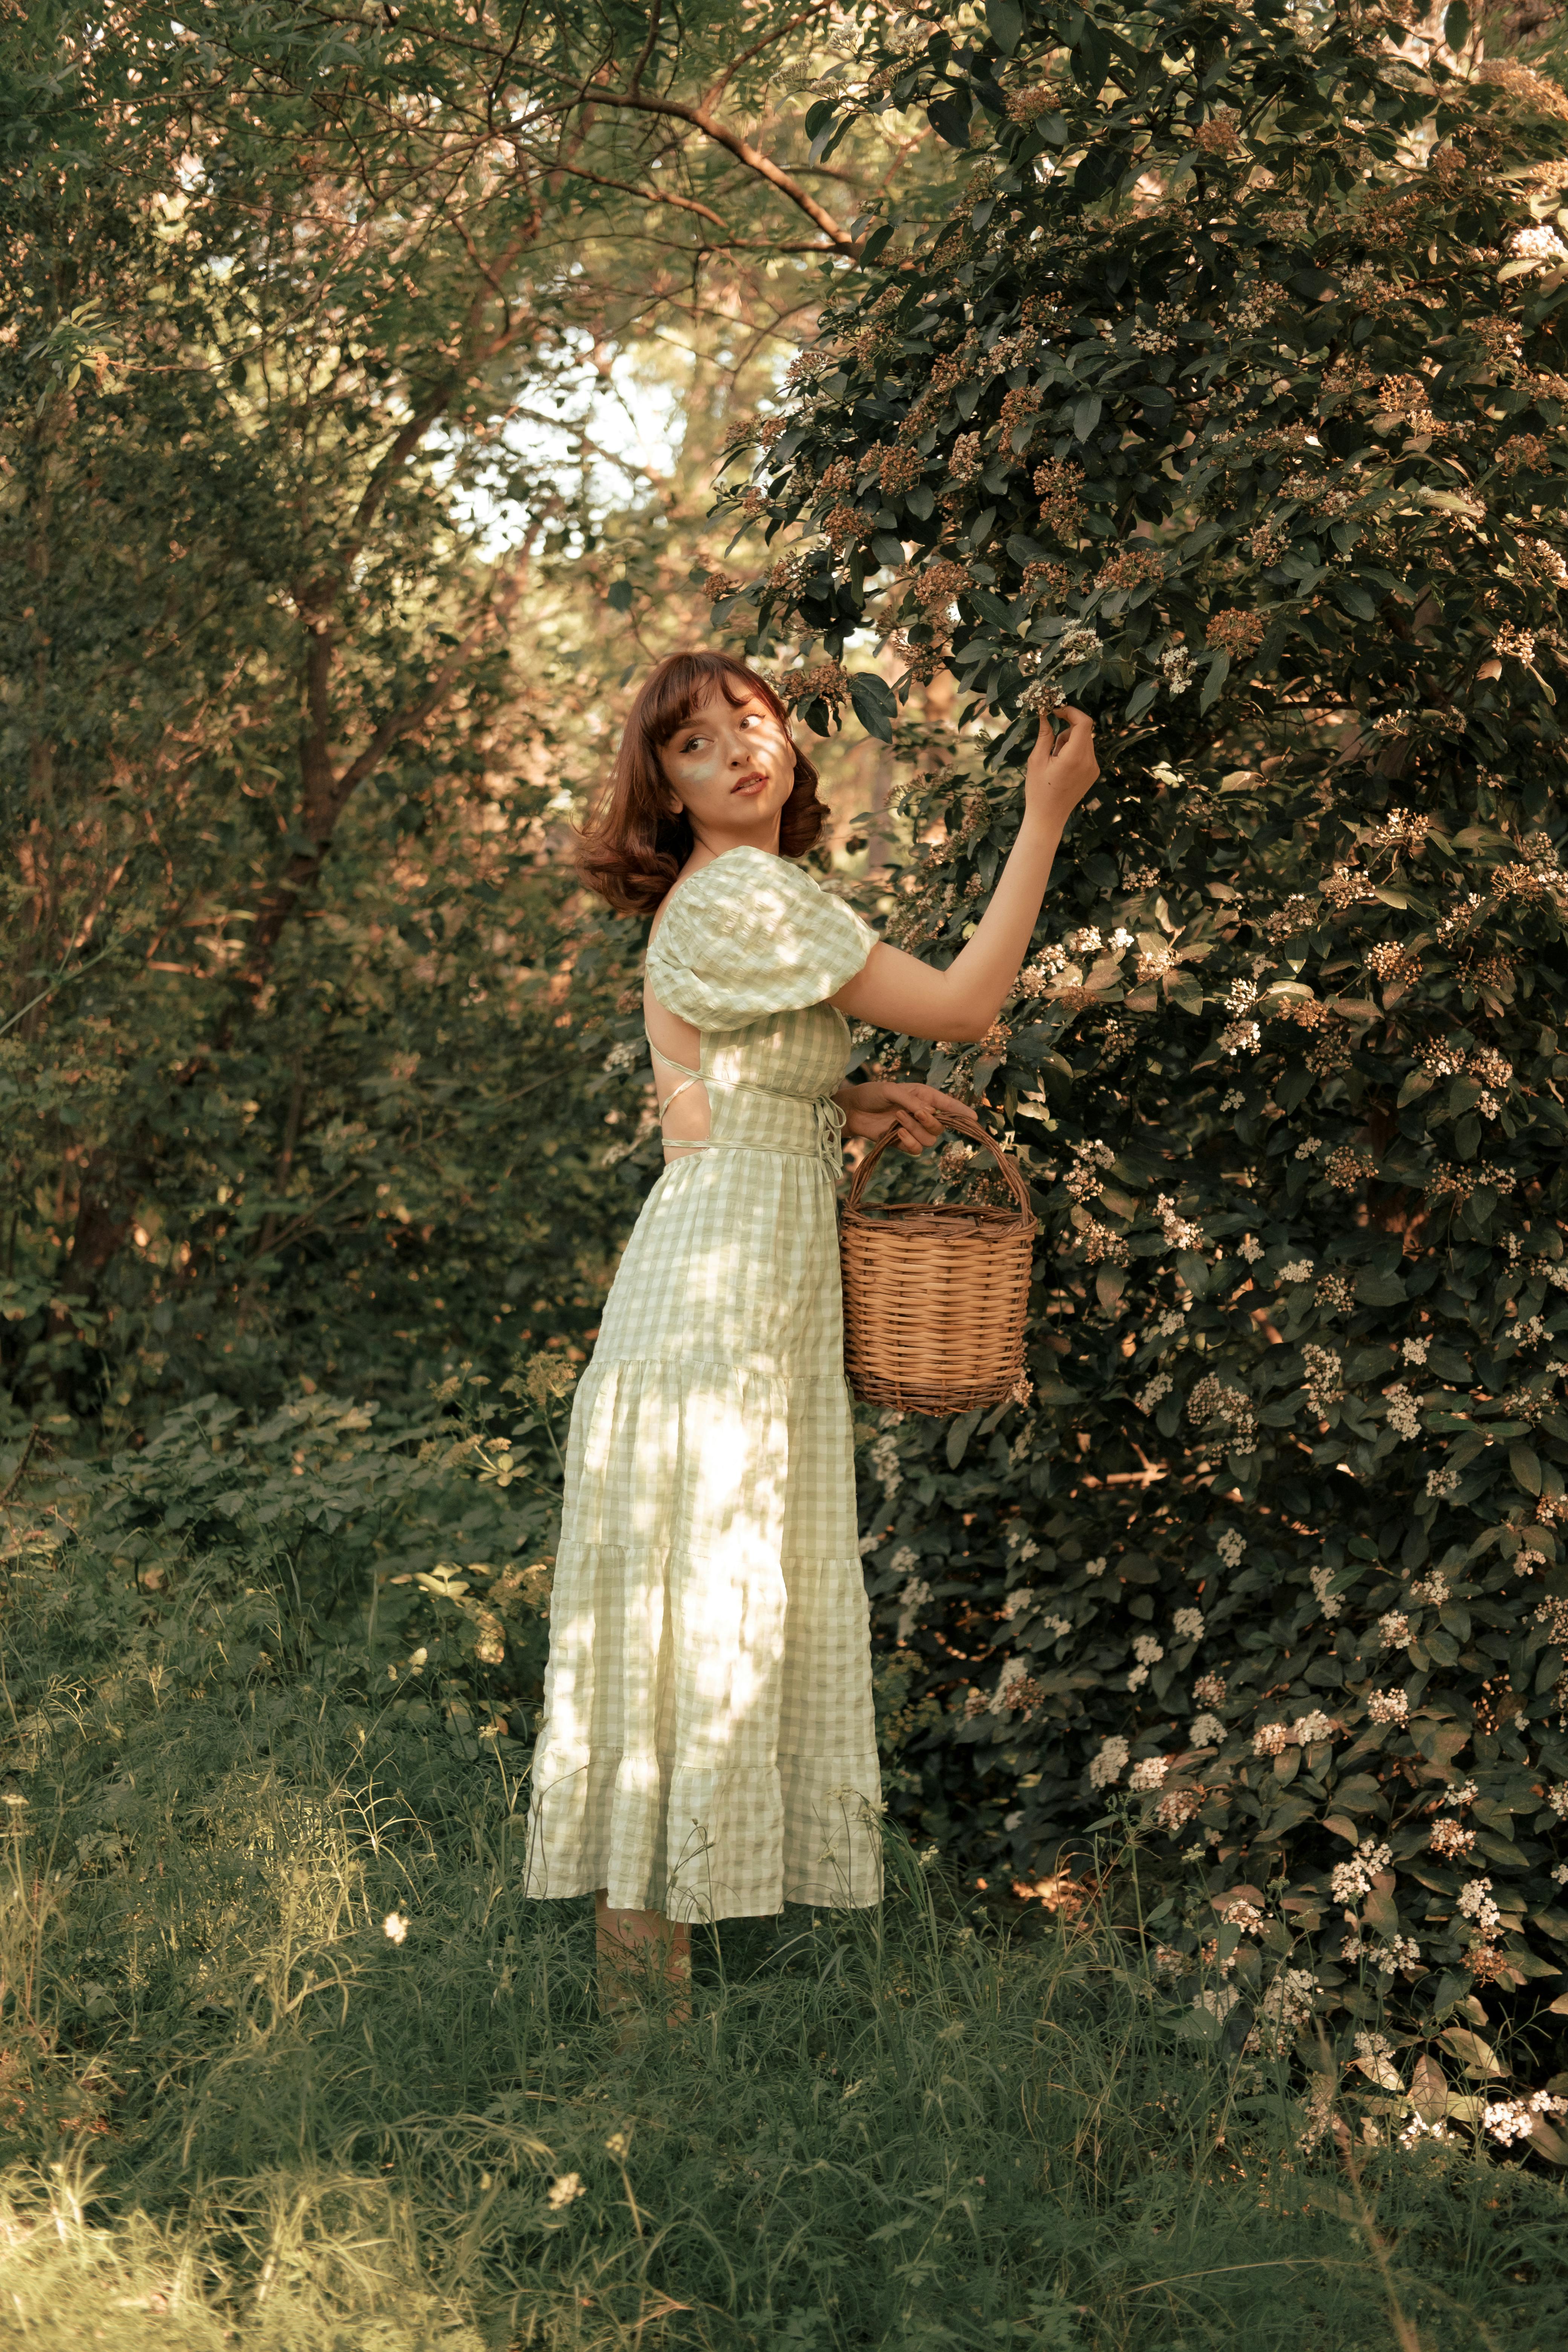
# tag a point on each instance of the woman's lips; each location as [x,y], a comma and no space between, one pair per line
[749,784]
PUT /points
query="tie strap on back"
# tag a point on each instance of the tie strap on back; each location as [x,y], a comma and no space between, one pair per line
[689,1078]
[827,1119]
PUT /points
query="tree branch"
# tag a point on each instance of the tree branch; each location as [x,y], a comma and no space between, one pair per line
[325,794]
[755,162]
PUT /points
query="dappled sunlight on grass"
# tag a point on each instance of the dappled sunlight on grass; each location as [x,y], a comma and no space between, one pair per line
[290,2063]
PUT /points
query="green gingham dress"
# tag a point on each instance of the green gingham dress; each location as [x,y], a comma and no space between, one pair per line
[706,1747]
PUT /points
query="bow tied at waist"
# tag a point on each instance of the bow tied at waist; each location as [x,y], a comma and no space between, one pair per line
[831,1122]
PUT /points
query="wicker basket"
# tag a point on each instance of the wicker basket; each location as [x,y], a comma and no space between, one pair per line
[935,1295]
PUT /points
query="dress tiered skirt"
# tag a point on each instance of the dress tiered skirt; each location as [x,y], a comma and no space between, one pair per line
[708,1746]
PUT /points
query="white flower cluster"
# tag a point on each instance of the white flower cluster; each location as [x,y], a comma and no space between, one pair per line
[1388,1706]
[1233,1101]
[1035,978]
[1404,1413]
[1230,1545]
[911,1601]
[1180,1232]
[1348,1881]
[1270,1739]
[1394,1630]
[1173,1321]
[1310,1147]
[884,1460]
[1154,1392]
[1219,2002]
[1331,1603]
[1286,2006]
[1442,1482]
[1109,1764]
[1176,663]
[1148,1773]
[1058,1627]
[1399,1952]
[1207,1731]
[903,1562]
[1019,1598]
[1557,1798]
[1308,1729]
[1539,244]
[1433,1590]
[1014,1670]
[1148,1652]
[1476,1903]
[1324,1382]
[1189,1624]
[1462,1793]
[1249,1246]
[1510,2120]
[624,1056]
[1240,1037]
[1415,1351]
[1078,645]
[1296,1269]
[1096,1567]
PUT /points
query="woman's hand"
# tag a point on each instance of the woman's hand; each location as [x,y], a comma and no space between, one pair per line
[1061,767]
[897,993]
[870,1111]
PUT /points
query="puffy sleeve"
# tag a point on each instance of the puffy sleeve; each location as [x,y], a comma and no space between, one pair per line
[749,935]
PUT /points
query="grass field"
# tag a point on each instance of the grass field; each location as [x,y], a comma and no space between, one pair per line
[238,2111]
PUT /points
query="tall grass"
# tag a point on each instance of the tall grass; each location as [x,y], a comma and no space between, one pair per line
[236,2111]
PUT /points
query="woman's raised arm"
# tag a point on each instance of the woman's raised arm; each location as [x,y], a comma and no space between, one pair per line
[896,991]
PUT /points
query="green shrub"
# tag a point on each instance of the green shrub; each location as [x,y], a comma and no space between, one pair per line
[1230,403]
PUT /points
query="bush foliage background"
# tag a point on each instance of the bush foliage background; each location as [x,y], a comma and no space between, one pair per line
[1229,403]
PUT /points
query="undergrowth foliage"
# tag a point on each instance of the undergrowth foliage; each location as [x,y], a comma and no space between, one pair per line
[1230,404]
[292,2065]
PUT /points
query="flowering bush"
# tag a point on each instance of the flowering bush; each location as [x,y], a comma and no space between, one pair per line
[1285,1068]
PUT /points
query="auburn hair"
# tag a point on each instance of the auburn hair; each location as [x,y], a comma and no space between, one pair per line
[632,846]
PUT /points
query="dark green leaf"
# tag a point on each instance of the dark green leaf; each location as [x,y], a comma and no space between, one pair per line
[871,699]
[1006,19]
[1086,415]
[1091,59]
[959,1435]
[949,120]
[1525,1463]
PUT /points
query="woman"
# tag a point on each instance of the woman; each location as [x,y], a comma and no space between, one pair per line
[706,1750]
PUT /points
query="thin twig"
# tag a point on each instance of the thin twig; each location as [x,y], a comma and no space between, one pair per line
[20,1472]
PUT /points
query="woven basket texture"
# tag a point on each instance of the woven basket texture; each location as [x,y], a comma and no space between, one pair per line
[935,1293]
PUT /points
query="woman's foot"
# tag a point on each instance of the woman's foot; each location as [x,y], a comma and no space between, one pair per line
[643,1957]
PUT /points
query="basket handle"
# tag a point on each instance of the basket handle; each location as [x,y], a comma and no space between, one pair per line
[963,1124]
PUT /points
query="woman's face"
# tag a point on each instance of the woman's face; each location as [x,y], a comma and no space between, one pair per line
[732,768]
